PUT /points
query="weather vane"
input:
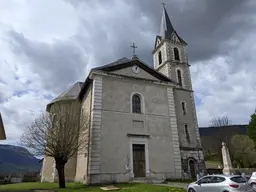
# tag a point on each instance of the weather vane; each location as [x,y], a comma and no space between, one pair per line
[164,4]
[133,46]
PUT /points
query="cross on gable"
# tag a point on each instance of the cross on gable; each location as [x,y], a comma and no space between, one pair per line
[133,46]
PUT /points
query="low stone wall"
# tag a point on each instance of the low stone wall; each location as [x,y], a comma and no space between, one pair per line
[247,171]
[214,171]
[16,179]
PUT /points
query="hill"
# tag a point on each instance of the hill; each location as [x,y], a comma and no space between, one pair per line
[15,159]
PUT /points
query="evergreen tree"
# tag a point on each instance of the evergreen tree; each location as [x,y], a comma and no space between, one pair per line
[251,129]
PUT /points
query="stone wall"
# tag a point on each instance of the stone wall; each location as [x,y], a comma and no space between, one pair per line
[196,156]
[48,168]
[82,156]
[247,171]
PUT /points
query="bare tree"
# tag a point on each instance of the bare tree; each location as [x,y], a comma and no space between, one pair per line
[59,134]
[220,121]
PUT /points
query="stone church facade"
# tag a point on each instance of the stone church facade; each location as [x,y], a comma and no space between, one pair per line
[143,119]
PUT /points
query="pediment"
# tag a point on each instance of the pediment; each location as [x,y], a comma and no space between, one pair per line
[157,41]
[135,71]
[175,38]
[127,67]
[124,66]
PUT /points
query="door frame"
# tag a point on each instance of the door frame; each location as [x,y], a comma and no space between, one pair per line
[195,169]
[143,141]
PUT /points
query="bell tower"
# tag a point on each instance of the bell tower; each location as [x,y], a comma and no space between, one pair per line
[170,57]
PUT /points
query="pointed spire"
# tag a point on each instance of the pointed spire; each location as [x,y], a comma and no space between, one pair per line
[166,28]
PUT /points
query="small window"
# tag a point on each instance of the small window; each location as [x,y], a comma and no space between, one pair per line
[186,133]
[136,103]
[176,54]
[159,57]
[205,180]
[183,106]
[218,179]
[179,77]
[238,179]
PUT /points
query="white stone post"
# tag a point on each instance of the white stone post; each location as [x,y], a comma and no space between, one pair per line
[226,160]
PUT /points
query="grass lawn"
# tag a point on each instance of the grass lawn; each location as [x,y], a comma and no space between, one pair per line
[213,164]
[74,187]
[181,181]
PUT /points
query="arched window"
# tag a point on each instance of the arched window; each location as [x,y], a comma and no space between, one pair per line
[136,103]
[159,57]
[179,77]
[176,54]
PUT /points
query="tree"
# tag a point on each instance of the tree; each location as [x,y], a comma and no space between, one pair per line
[251,128]
[244,154]
[59,134]
[219,123]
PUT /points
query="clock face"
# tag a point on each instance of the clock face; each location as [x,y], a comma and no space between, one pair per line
[136,69]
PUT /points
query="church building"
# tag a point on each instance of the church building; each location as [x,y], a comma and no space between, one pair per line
[143,118]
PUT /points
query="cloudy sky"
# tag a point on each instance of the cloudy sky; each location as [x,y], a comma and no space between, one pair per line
[48,45]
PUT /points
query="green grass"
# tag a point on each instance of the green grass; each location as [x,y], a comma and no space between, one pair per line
[180,180]
[212,164]
[74,187]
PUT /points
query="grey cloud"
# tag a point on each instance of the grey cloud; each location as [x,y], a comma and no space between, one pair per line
[111,39]
[58,64]
[2,98]
[205,25]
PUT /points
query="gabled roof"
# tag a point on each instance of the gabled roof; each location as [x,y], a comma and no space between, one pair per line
[166,28]
[157,37]
[2,131]
[119,61]
[69,94]
[123,63]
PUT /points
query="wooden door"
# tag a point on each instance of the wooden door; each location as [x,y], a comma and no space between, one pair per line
[139,160]
[192,168]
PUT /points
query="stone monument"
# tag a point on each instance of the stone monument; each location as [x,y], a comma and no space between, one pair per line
[227,165]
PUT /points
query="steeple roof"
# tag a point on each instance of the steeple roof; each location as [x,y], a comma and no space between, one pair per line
[166,29]
[70,94]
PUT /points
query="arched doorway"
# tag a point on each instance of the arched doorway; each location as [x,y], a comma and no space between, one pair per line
[192,169]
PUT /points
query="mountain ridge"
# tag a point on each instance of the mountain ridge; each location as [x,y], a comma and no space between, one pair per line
[17,159]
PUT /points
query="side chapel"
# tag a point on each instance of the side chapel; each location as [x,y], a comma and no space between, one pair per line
[143,119]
